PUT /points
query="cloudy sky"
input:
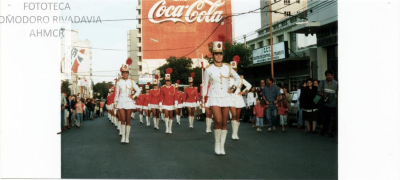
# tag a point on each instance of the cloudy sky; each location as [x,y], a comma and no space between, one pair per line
[112,34]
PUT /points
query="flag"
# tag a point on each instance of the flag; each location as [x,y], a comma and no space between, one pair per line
[78,56]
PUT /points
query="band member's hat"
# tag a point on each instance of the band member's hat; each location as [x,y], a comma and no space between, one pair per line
[217,47]
[234,64]
[147,87]
[125,67]
[235,61]
[168,74]
[155,80]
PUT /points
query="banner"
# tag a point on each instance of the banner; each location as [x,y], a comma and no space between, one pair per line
[264,54]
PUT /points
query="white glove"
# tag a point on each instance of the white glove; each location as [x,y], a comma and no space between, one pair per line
[160,104]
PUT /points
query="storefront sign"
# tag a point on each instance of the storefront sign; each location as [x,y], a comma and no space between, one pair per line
[143,79]
[264,54]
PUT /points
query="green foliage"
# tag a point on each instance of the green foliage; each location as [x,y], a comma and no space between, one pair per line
[65,87]
[101,88]
[231,50]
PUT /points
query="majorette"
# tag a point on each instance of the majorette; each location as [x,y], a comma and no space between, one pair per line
[167,99]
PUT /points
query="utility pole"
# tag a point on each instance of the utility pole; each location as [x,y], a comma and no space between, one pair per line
[244,37]
[270,36]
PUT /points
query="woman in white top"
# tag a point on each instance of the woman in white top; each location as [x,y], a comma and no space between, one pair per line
[219,98]
[252,97]
[124,101]
[237,97]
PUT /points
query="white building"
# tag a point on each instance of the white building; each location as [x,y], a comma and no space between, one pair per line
[76,63]
[133,49]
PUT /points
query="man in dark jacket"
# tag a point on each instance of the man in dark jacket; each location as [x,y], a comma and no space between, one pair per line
[308,107]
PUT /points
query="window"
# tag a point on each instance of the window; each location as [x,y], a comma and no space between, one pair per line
[253,46]
[260,44]
[286,2]
[287,13]
[140,68]
[280,38]
[140,58]
[297,1]
[269,42]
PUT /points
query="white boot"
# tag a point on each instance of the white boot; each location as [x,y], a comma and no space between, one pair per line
[141,118]
[223,138]
[158,123]
[170,126]
[147,121]
[155,122]
[166,125]
[191,119]
[217,135]
[237,129]
[128,130]
[209,125]
[120,127]
[162,117]
[123,133]
[207,130]
[178,119]
[233,129]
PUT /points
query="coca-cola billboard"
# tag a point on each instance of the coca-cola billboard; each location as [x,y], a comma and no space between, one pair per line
[177,27]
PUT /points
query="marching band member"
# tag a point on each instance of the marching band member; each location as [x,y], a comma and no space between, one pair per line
[154,103]
[146,102]
[108,104]
[178,102]
[208,111]
[124,101]
[167,101]
[218,75]
[139,105]
[238,98]
[191,99]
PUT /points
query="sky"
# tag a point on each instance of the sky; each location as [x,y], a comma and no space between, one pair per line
[113,34]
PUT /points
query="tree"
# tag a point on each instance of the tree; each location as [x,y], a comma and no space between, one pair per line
[65,87]
[231,50]
[180,66]
[102,88]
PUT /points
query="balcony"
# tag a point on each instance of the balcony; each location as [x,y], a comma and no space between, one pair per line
[138,16]
[139,35]
[138,7]
[139,54]
[138,26]
[139,44]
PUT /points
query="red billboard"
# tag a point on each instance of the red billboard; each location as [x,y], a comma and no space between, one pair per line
[177,27]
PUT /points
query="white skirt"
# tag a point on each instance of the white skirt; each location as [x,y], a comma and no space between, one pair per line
[154,106]
[126,105]
[192,104]
[220,101]
[179,106]
[145,107]
[139,106]
[169,108]
[239,101]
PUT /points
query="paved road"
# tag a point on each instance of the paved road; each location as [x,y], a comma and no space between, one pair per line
[95,151]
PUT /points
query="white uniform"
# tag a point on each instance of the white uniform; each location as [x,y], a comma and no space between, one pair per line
[238,99]
[219,78]
[123,90]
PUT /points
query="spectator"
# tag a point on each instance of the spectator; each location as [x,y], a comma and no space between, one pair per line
[319,122]
[63,103]
[308,106]
[101,108]
[87,117]
[79,112]
[283,110]
[280,88]
[270,95]
[328,89]
[251,102]
[315,83]
[294,88]
[258,111]
[300,118]
[260,89]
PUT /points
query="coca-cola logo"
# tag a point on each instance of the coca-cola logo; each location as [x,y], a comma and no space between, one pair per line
[192,13]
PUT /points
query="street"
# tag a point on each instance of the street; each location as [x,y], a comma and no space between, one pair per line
[94,151]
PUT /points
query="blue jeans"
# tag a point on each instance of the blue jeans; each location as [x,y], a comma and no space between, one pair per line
[87,114]
[300,119]
[259,122]
[80,116]
[271,115]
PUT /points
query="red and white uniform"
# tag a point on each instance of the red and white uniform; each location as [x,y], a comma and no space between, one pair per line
[155,98]
[191,97]
[146,101]
[167,97]
[179,99]
[139,101]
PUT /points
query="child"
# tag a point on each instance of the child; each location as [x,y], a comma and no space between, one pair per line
[283,110]
[258,112]
[79,112]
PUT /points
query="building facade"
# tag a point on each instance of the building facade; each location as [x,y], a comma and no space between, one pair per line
[133,45]
[305,56]
[76,63]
